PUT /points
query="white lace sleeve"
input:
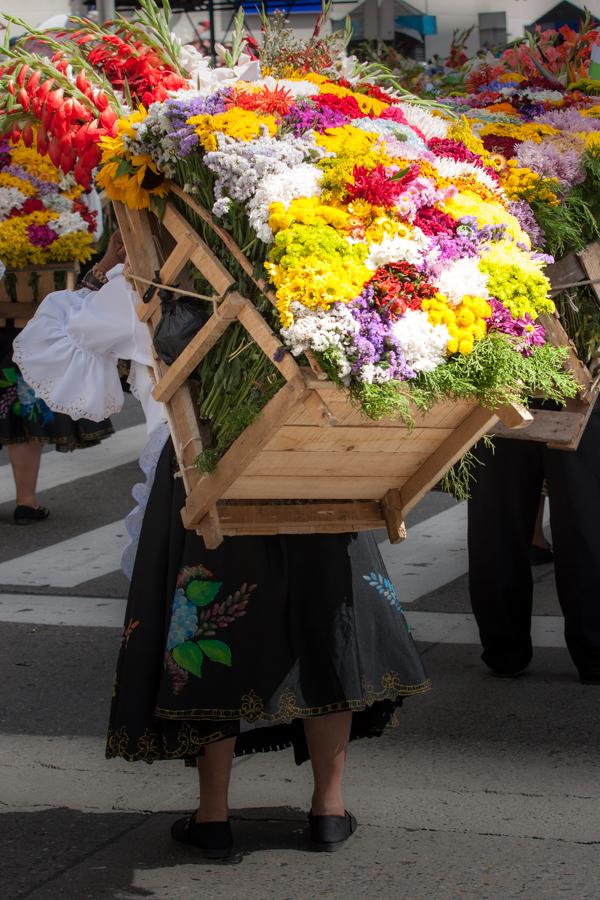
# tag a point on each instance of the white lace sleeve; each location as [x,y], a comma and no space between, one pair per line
[69,350]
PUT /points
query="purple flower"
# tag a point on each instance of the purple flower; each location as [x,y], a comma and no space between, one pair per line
[527,333]
[522,211]
[41,235]
[42,187]
[374,344]
[552,160]
[178,111]
[305,116]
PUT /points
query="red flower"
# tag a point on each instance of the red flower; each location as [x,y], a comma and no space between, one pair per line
[347,106]
[494,143]
[377,187]
[32,204]
[433,221]
[400,286]
[277,101]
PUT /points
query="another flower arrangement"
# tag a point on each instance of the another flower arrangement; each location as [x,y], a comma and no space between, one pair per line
[43,218]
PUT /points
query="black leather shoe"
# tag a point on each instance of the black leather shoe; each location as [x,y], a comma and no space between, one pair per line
[25,515]
[213,838]
[329,833]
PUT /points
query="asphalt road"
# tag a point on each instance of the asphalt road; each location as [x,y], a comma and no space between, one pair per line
[489,789]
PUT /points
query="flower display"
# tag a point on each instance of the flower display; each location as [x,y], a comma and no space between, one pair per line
[42,219]
[387,229]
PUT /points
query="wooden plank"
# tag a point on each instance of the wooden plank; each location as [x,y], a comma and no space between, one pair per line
[557,335]
[209,265]
[283,487]
[313,438]
[45,284]
[590,261]
[391,506]
[478,423]
[212,487]
[198,347]
[8,309]
[25,299]
[310,518]
[564,271]
[333,464]
[268,342]
[514,415]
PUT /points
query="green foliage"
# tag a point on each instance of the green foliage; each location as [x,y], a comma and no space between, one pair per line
[457,480]
[575,221]
[202,593]
[189,657]
[216,651]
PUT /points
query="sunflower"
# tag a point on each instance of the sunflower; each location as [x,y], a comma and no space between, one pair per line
[132,179]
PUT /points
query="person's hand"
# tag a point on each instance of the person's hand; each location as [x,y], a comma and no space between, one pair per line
[115,253]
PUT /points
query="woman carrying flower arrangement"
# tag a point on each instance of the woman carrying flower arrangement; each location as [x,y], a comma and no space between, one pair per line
[262,644]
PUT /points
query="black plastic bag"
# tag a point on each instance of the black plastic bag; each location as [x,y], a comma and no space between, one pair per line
[181,320]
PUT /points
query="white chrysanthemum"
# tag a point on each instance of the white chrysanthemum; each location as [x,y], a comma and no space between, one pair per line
[303,180]
[221,207]
[431,126]
[461,278]
[395,248]
[424,345]
[67,223]
[10,197]
[58,203]
[454,168]
[322,330]
[373,374]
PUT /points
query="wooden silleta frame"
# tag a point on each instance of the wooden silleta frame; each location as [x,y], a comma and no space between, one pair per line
[309,444]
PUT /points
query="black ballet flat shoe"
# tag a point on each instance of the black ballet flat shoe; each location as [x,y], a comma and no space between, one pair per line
[540,556]
[329,833]
[25,515]
[214,839]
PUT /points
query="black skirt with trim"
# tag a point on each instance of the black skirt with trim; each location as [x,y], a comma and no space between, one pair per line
[24,418]
[251,638]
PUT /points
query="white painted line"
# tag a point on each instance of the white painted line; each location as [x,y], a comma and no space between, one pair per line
[461,628]
[434,553]
[43,609]
[109,612]
[60,468]
[69,563]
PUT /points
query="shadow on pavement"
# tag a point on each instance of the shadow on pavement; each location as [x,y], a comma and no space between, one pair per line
[63,854]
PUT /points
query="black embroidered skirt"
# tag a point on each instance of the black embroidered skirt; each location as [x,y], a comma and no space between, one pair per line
[251,638]
[25,418]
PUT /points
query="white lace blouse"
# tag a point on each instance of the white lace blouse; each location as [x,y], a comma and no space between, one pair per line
[68,352]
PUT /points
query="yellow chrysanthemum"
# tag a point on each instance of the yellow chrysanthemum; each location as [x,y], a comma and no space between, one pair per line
[11,181]
[466,323]
[346,140]
[240,124]
[30,160]
[522,182]
[307,211]
[528,131]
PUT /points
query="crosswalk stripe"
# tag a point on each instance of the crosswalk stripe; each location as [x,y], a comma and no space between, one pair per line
[434,553]
[109,612]
[60,468]
[71,562]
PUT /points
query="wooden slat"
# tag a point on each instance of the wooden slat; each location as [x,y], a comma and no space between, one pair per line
[24,298]
[590,261]
[333,464]
[564,271]
[27,310]
[557,335]
[391,506]
[199,346]
[45,284]
[269,343]
[514,415]
[202,256]
[478,423]
[212,487]
[283,487]
[343,438]
[253,518]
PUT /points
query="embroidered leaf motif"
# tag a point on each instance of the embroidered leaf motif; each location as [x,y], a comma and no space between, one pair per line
[189,656]
[216,651]
[384,587]
[11,376]
[202,593]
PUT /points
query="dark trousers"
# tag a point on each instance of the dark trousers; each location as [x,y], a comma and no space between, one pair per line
[502,512]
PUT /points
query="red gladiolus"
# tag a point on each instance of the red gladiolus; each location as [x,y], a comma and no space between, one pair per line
[82,83]
[10,87]
[101,101]
[108,118]
[55,151]
[55,98]
[33,82]
[15,133]
[22,75]
[42,140]
[23,98]
[28,135]
[44,89]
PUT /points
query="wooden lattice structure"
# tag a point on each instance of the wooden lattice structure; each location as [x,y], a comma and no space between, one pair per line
[562,429]
[338,470]
[22,290]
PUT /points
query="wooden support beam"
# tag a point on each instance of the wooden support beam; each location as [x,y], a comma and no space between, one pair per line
[268,341]
[211,488]
[514,415]
[294,518]
[590,261]
[198,347]
[557,335]
[479,422]
[391,506]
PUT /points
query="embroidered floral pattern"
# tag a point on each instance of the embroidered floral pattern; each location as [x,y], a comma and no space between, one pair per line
[384,587]
[19,398]
[197,615]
